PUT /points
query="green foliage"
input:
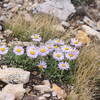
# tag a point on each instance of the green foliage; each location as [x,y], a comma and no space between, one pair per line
[51,72]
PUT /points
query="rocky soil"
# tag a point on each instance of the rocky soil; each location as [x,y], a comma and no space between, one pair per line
[17,84]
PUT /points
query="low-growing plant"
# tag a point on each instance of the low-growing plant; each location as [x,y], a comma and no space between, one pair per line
[54,59]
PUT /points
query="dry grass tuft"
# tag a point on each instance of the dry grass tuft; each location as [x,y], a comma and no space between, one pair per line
[22,28]
[88,69]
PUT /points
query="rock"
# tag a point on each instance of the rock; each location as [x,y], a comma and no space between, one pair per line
[30,98]
[2,18]
[43,88]
[14,75]
[60,92]
[98,25]
[46,95]
[7,96]
[89,22]
[34,98]
[58,28]
[16,90]
[1,28]
[59,8]
[83,37]
[65,24]
[90,31]
[1,36]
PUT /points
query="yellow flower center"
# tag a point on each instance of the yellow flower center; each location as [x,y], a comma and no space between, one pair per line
[66,48]
[55,46]
[32,52]
[63,65]
[71,55]
[49,47]
[2,49]
[58,41]
[40,66]
[18,50]
[58,55]
[43,50]
[36,37]
[76,42]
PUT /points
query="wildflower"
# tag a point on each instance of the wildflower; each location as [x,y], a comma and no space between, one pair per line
[50,47]
[36,37]
[66,48]
[50,42]
[33,53]
[63,66]
[71,55]
[58,55]
[3,50]
[58,42]
[75,43]
[42,65]
[76,51]
[43,51]
[18,50]
[56,47]
[31,47]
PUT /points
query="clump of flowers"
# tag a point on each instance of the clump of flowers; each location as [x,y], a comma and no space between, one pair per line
[62,54]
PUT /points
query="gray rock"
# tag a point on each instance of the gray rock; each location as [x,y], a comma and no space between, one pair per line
[12,92]
[1,27]
[14,75]
[90,31]
[59,8]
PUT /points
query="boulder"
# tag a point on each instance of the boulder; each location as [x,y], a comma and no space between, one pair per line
[14,75]
[12,92]
[58,8]
[90,31]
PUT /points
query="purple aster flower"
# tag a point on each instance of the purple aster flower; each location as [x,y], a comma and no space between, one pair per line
[42,65]
[50,47]
[66,48]
[58,42]
[75,43]
[18,50]
[71,55]
[33,53]
[63,66]
[3,50]
[43,51]
[36,37]
[58,55]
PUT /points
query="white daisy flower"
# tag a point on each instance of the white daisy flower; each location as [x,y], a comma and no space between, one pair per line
[72,55]
[66,48]
[63,66]
[42,65]
[3,50]
[50,47]
[18,50]
[58,42]
[33,53]
[43,51]
[32,47]
[58,55]
[36,37]
[75,43]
